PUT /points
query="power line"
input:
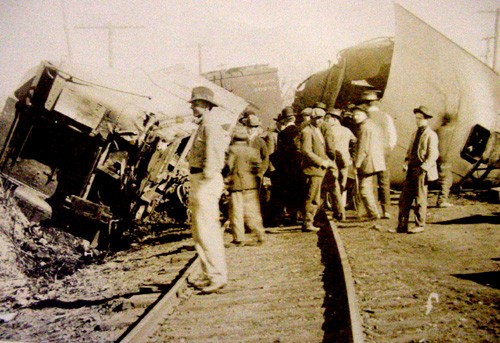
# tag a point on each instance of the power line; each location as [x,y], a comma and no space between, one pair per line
[111,32]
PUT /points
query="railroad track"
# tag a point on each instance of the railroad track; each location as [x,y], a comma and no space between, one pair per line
[308,297]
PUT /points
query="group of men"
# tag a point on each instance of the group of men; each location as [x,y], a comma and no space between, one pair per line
[306,160]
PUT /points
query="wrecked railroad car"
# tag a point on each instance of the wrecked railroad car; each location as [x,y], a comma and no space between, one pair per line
[420,66]
[95,149]
[258,84]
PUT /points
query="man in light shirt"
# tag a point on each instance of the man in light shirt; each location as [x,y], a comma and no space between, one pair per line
[206,161]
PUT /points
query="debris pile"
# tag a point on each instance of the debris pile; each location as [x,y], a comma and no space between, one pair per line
[32,256]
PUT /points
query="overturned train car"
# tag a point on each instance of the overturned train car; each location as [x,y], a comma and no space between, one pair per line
[94,150]
[420,66]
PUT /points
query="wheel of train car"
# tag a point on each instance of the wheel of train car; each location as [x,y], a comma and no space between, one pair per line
[182,192]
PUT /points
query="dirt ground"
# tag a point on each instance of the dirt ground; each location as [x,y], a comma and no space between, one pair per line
[441,285]
[457,259]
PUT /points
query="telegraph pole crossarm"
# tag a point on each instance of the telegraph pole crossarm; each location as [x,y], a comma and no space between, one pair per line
[111,31]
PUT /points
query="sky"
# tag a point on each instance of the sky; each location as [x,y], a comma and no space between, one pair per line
[298,37]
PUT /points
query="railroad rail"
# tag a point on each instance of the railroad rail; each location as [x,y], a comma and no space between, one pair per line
[295,288]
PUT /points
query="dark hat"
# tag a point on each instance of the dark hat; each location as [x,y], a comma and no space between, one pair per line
[334,112]
[203,93]
[253,121]
[424,110]
[370,95]
[321,105]
[286,113]
[317,113]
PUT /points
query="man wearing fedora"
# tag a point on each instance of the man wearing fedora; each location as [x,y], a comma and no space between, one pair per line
[206,161]
[421,167]
[315,163]
[385,122]
[287,181]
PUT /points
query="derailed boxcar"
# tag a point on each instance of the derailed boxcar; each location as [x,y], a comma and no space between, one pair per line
[94,150]
[420,66]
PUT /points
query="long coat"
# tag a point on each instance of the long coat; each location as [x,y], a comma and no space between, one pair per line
[244,164]
[370,149]
[313,151]
[286,158]
[427,152]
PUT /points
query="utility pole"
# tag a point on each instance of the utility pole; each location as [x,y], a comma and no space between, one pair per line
[199,59]
[111,32]
[66,32]
[496,45]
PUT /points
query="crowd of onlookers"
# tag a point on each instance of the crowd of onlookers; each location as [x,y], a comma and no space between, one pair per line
[317,157]
[306,161]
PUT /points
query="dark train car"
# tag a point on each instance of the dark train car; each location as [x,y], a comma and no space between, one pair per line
[94,150]
[258,85]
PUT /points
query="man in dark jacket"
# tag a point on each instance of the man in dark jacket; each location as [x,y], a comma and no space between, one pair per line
[244,165]
[287,179]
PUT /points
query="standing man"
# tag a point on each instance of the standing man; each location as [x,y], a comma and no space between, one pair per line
[385,122]
[369,158]
[315,163]
[445,135]
[304,118]
[244,164]
[287,181]
[338,141]
[421,168]
[258,142]
[206,161]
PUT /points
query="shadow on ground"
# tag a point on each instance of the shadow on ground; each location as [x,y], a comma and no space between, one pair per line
[489,279]
[475,219]
[337,325]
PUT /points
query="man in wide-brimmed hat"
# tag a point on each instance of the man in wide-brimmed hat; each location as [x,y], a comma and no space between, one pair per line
[206,161]
[421,167]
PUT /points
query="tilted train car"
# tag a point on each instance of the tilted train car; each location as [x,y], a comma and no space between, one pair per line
[94,150]
[420,66]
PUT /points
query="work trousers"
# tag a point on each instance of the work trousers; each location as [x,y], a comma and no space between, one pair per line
[384,185]
[207,233]
[368,196]
[414,188]
[333,190]
[245,209]
[445,181]
[384,190]
[313,199]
